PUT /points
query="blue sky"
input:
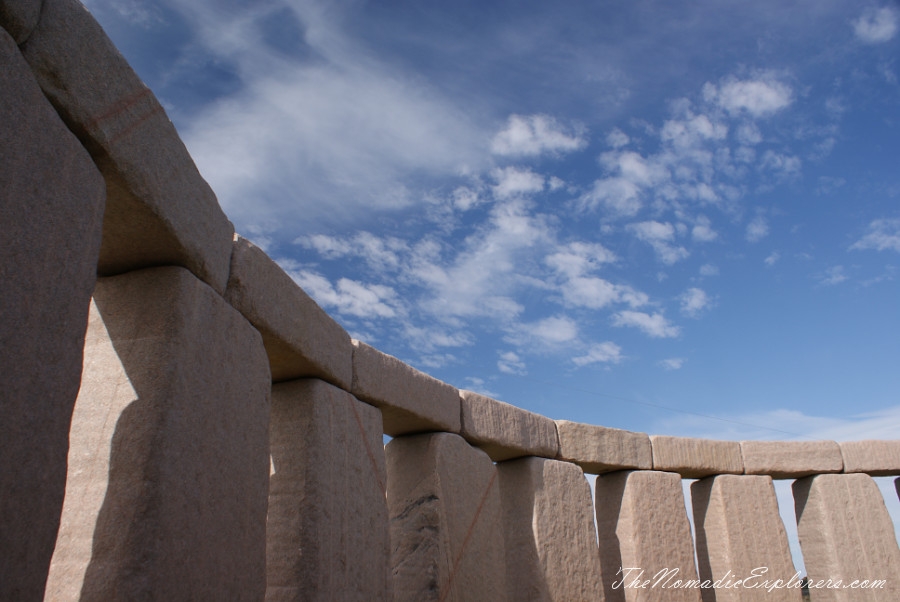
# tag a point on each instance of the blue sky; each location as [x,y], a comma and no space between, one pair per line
[677,218]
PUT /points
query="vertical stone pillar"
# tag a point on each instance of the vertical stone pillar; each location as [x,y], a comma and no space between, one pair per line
[51,209]
[740,535]
[646,549]
[169,463]
[846,533]
[446,526]
[548,529]
[327,533]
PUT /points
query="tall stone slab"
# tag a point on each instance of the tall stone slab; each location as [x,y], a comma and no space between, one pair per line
[740,536]
[548,529]
[169,459]
[846,533]
[328,535]
[51,211]
[446,525]
[159,210]
[646,548]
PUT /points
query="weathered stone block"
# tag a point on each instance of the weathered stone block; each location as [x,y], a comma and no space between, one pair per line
[327,528]
[410,400]
[739,535]
[875,458]
[548,526]
[51,209]
[169,460]
[19,17]
[696,458]
[446,523]
[846,533]
[301,339]
[504,431]
[791,459]
[159,209]
[646,549]
[599,449]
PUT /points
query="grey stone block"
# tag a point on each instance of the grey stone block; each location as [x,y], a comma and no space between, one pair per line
[169,461]
[159,209]
[505,431]
[410,400]
[19,17]
[791,459]
[696,458]
[599,449]
[446,522]
[301,339]
[327,527]
[51,209]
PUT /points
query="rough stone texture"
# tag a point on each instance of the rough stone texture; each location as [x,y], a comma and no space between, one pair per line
[169,463]
[548,527]
[739,531]
[410,400]
[51,207]
[696,458]
[876,458]
[159,209]
[300,338]
[19,17]
[504,431]
[846,533]
[642,525]
[328,522]
[791,459]
[598,449]
[446,524]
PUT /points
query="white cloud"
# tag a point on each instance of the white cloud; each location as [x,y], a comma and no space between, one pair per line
[534,135]
[833,275]
[784,165]
[618,196]
[348,296]
[759,97]
[597,293]
[692,131]
[516,182]
[552,330]
[876,25]
[694,301]
[579,258]
[883,235]
[709,269]
[604,353]
[617,138]
[379,253]
[511,363]
[757,229]
[702,230]
[654,325]
[660,236]
[772,259]
[673,363]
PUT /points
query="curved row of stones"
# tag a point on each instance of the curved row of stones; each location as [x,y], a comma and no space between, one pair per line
[216,435]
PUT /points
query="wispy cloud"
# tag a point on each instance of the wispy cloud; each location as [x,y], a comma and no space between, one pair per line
[600,353]
[757,229]
[654,325]
[694,301]
[672,363]
[882,235]
[876,25]
[660,236]
[533,135]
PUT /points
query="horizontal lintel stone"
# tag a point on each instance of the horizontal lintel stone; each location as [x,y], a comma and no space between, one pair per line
[873,457]
[600,449]
[410,400]
[301,340]
[505,431]
[791,459]
[696,458]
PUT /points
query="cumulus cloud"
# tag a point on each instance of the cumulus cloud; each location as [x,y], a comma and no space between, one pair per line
[757,229]
[516,181]
[760,97]
[702,230]
[548,331]
[532,135]
[876,25]
[661,237]
[602,353]
[617,138]
[882,235]
[655,325]
[694,301]
[348,296]
[511,363]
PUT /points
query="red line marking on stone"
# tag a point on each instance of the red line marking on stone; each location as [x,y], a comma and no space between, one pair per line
[135,124]
[467,537]
[369,452]
[116,108]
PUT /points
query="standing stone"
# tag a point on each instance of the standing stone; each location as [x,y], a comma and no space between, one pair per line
[446,524]
[169,460]
[739,532]
[327,533]
[846,533]
[642,526]
[51,211]
[551,544]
